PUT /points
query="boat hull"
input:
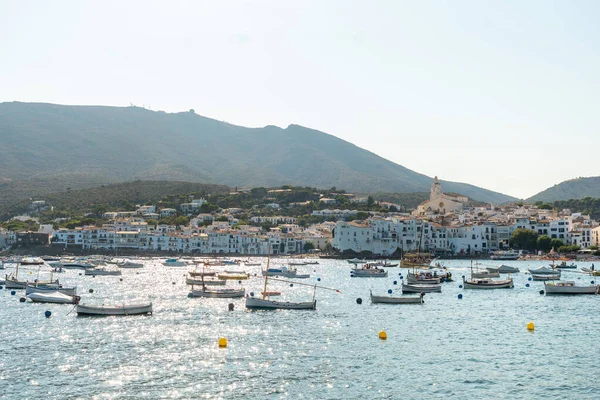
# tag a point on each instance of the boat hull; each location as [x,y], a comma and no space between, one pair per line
[552,289]
[219,293]
[136,309]
[488,284]
[396,300]
[255,303]
[68,291]
[206,282]
[421,288]
[53,297]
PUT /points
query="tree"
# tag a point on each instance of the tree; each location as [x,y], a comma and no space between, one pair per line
[308,246]
[370,202]
[523,239]
[556,243]
[544,243]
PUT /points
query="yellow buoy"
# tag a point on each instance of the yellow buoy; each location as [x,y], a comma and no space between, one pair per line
[382,335]
[222,342]
[530,326]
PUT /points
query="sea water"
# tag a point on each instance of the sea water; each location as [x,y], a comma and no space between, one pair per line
[476,347]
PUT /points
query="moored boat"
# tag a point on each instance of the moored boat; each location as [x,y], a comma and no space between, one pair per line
[545,277]
[503,269]
[484,283]
[397,300]
[131,309]
[31,261]
[505,255]
[256,303]
[564,265]
[207,282]
[69,291]
[217,293]
[231,275]
[368,271]
[421,288]
[102,271]
[544,271]
[53,297]
[174,262]
[569,287]
[486,274]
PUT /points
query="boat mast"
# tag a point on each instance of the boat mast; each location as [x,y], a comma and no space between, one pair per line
[264,293]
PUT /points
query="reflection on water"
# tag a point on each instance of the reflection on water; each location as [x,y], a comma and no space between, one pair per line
[476,347]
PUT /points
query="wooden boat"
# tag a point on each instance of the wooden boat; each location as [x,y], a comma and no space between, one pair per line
[237,276]
[545,277]
[293,273]
[256,303]
[194,274]
[415,260]
[11,282]
[217,293]
[424,278]
[207,282]
[53,297]
[569,287]
[397,300]
[420,288]
[504,269]
[69,291]
[564,265]
[368,271]
[591,271]
[273,293]
[485,283]
[31,261]
[131,309]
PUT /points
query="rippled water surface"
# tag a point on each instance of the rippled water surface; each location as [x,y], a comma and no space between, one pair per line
[474,348]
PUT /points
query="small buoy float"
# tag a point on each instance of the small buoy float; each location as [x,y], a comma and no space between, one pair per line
[47,314]
[382,335]
[231,306]
[530,326]
[460,286]
[527,285]
[389,291]
[319,279]
[460,296]
[91,290]
[541,292]
[291,284]
[251,294]
[222,342]
[395,282]
[121,279]
[173,283]
[529,279]
[22,299]
[359,301]
[12,293]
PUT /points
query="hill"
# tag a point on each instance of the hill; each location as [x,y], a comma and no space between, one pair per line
[120,196]
[115,144]
[577,188]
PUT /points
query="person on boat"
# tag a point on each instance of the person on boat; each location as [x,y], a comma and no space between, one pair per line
[592,267]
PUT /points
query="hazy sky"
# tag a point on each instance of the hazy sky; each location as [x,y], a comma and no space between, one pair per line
[500,94]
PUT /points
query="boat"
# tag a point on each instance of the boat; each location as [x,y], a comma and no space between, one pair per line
[78,265]
[397,300]
[194,274]
[504,269]
[69,291]
[485,283]
[217,293]
[102,271]
[130,264]
[564,265]
[53,297]
[421,288]
[311,262]
[387,264]
[207,282]
[368,271]
[591,271]
[293,273]
[415,260]
[356,261]
[252,264]
[545,277]
[297,263]
[267,304]
[568,287]
[31,261]
[505,255]
[232,275]
[423,277]
[544,270]
[272,271]
[271,293]
[12,282]
[486,274]
[174,262]
[131,309]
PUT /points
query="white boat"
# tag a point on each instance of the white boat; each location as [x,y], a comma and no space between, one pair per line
[207,282]
[292,273]
[78,265]
[397,300]
[218,293]
[53,297]
[419,288]
[69,291]
[356,261]
[505,255]
[31,261]
[256,303]
[252,264]
[174,262]
[130,264]
[11,282]
[368,271]
[568,287]
[484,273]
[1,265]
[132,309]
[484,283]
[544,270]
[504,269]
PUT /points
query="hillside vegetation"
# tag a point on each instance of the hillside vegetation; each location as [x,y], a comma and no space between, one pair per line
[116,144]
[578,188]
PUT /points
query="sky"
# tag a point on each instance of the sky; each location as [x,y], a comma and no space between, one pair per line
[502,95]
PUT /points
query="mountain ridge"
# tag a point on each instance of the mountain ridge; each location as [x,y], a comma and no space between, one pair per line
[120,144]
[576,188]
